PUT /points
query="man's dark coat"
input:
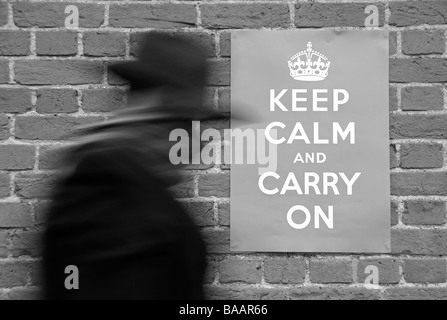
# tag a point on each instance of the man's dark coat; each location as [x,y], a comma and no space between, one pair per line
[114,219]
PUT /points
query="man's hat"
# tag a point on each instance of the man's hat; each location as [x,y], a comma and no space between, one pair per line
[171,60]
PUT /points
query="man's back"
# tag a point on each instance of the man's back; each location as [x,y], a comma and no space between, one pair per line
[114,219]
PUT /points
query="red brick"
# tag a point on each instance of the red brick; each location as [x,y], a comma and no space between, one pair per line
[394,214]
[103,100]
[285,271]
[237,270]
[14,43]
[49,127]
[419,183]
[51,157]
[424,213]
[418,70]
[52,14]
[423,42]
[15,215]
[415,293]
[202,213]
[13,273]
[56,43]
[421,156]
[4,71]
[16,157]
[4,244]
[330,270]
[26,243]
[419,241]
[393,42]
[388,270]
[217,185]
[218,241]
[224,100]
[210,271]
[208,97]
[334,293]
[158,16]
[4,127]
[333,14]
[46,72]
[408,13]
[104,44]
[3,14]
[219,73]
[206,40]
[393,98]
[36,273]
[56,101]
[223,210]
[33,185]
[424,126]
[393,157]
[225,44]
[425,270]
[4,185]
[15,100]
[40,211]
[245,293]
[243,16]
[422,98]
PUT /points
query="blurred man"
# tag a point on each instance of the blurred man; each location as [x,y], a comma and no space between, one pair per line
[112,215]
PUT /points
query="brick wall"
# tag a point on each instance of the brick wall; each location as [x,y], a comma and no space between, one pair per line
[53,79]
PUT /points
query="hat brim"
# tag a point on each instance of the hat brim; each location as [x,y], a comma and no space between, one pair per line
[138,72]
[135,71]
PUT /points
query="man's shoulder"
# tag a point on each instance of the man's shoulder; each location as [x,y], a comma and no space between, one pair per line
[112,149]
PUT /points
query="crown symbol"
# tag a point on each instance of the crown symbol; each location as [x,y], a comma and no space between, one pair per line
[309,65]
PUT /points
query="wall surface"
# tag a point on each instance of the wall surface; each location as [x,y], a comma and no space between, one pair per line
[53,79]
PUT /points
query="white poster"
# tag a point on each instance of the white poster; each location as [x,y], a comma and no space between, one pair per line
[311,174]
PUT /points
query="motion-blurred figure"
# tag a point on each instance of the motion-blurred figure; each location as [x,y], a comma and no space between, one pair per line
[111,214]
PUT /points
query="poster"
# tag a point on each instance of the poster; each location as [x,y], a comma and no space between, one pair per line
[310,170]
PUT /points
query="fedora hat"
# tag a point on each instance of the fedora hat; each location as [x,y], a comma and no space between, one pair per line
[171,61]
